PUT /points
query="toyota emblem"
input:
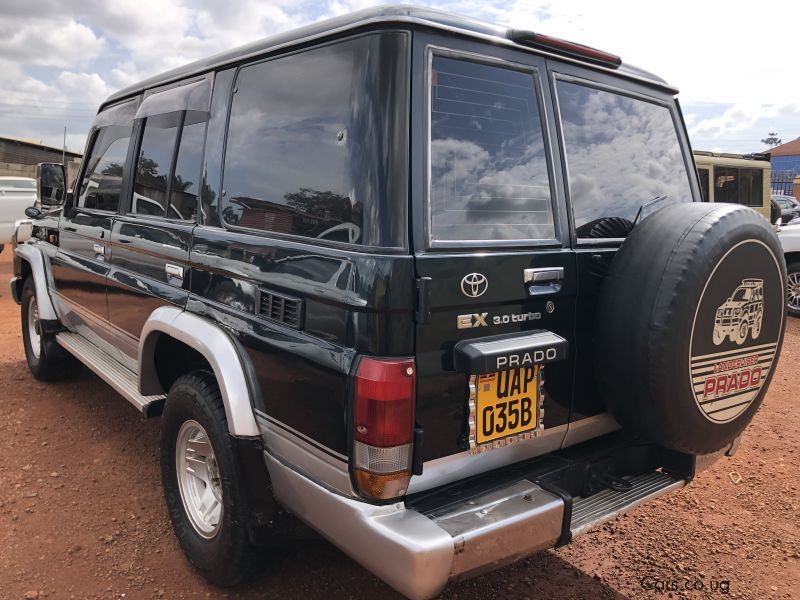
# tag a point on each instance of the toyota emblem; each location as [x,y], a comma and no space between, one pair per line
[474,285]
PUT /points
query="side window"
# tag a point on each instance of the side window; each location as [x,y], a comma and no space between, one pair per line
[489,175]
[312,140]
[102,180]
[622,153]
[185,179]
[702,173]
[153,165]
[739,186]
[158,189]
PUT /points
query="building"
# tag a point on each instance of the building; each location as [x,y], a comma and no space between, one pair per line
[20,157]
[786,157]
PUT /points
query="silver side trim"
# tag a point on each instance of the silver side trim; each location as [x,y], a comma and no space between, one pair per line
[462,465]
[214,344]
[41,278]
[108,369]
[608,504]
[404,548]
[327,467]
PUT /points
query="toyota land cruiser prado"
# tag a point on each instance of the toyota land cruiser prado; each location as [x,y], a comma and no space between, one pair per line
[445,291]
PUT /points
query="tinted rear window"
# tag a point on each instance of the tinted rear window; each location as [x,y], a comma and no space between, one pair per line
[489,174]
[622,153]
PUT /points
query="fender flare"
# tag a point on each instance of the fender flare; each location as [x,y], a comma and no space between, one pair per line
[41,279]
[217,348]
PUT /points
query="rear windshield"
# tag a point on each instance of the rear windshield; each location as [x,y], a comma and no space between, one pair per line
[489,175]
[622,153]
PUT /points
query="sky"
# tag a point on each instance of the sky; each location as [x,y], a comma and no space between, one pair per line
[734,62]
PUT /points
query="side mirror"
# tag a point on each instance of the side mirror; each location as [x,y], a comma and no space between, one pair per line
[51,184]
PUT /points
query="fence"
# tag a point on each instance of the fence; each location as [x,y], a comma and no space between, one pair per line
[783,182]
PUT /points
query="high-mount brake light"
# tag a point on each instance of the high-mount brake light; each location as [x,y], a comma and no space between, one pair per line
[383,426]
[578,51]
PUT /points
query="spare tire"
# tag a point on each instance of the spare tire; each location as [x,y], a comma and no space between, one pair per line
[690,323]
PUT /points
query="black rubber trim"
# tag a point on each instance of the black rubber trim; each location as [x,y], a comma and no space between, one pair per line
[249,453]
[16,289]
[506,351]
[566,525]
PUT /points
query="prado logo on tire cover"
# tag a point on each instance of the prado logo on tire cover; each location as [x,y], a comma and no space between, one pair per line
[736,330]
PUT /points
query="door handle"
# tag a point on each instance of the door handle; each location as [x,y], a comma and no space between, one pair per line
[173,271]
[99,250]
[545,280]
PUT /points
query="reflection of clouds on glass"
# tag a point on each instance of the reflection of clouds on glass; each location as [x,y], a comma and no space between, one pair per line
[489,178]
[621,153]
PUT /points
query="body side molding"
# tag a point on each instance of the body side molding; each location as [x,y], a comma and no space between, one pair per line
[41,279]
[217,348]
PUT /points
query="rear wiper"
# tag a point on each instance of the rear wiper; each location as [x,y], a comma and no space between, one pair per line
[648,204]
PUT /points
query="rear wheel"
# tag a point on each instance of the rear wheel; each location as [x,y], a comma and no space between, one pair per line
[203,484]
[46,359]
[793,271]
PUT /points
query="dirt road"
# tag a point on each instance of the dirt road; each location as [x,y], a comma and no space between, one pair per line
[82,515]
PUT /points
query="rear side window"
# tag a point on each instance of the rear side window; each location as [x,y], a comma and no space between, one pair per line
[739,186]
[160,190]
[316,144]
[622,153]
[154,164]
[488,168]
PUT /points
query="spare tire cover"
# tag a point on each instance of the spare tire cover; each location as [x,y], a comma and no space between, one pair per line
[689,325]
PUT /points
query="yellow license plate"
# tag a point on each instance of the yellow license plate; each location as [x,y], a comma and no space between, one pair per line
[507,403]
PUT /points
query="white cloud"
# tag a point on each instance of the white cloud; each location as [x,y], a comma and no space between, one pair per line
[726,55]
[48,42]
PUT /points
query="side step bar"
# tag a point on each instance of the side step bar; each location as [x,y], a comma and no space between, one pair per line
[608,504]
[110,370]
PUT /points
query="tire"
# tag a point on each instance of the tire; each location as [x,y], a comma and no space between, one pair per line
[47,361]
[663,375]
[223,554]
[793,295]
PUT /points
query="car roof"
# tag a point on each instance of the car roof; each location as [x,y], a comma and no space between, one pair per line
[371,17]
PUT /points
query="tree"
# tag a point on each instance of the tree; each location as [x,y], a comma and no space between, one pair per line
[772,139]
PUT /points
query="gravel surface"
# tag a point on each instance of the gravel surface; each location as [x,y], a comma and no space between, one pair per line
[82,514]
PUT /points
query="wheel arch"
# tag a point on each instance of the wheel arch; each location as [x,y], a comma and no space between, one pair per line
[34,264]
[224,356]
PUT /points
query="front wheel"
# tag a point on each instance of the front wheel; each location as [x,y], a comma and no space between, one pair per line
[202,483]
[46,359]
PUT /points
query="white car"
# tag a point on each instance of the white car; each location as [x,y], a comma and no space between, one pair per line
[789,235]
[16,194]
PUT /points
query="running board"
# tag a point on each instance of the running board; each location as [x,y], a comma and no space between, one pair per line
[110,370]
[608,504]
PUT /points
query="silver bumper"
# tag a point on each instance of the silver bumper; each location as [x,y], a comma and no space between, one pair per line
[415,553]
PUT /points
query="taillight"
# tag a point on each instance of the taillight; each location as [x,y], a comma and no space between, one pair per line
[383,426]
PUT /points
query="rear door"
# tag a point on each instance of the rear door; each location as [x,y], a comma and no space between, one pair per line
[625,153]
[152,238]
[491,246]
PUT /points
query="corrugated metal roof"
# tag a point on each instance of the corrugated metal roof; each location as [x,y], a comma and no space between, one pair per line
[788,149]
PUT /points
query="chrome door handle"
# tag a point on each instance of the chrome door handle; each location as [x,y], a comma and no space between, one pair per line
[545,280]
[173,271]
[99,250]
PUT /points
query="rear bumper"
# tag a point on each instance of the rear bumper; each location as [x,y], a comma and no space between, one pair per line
[418,548]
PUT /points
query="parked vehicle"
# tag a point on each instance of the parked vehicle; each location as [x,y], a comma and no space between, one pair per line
[789,236]
[16,194]
[790,208]
[349,268]
[735,178]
